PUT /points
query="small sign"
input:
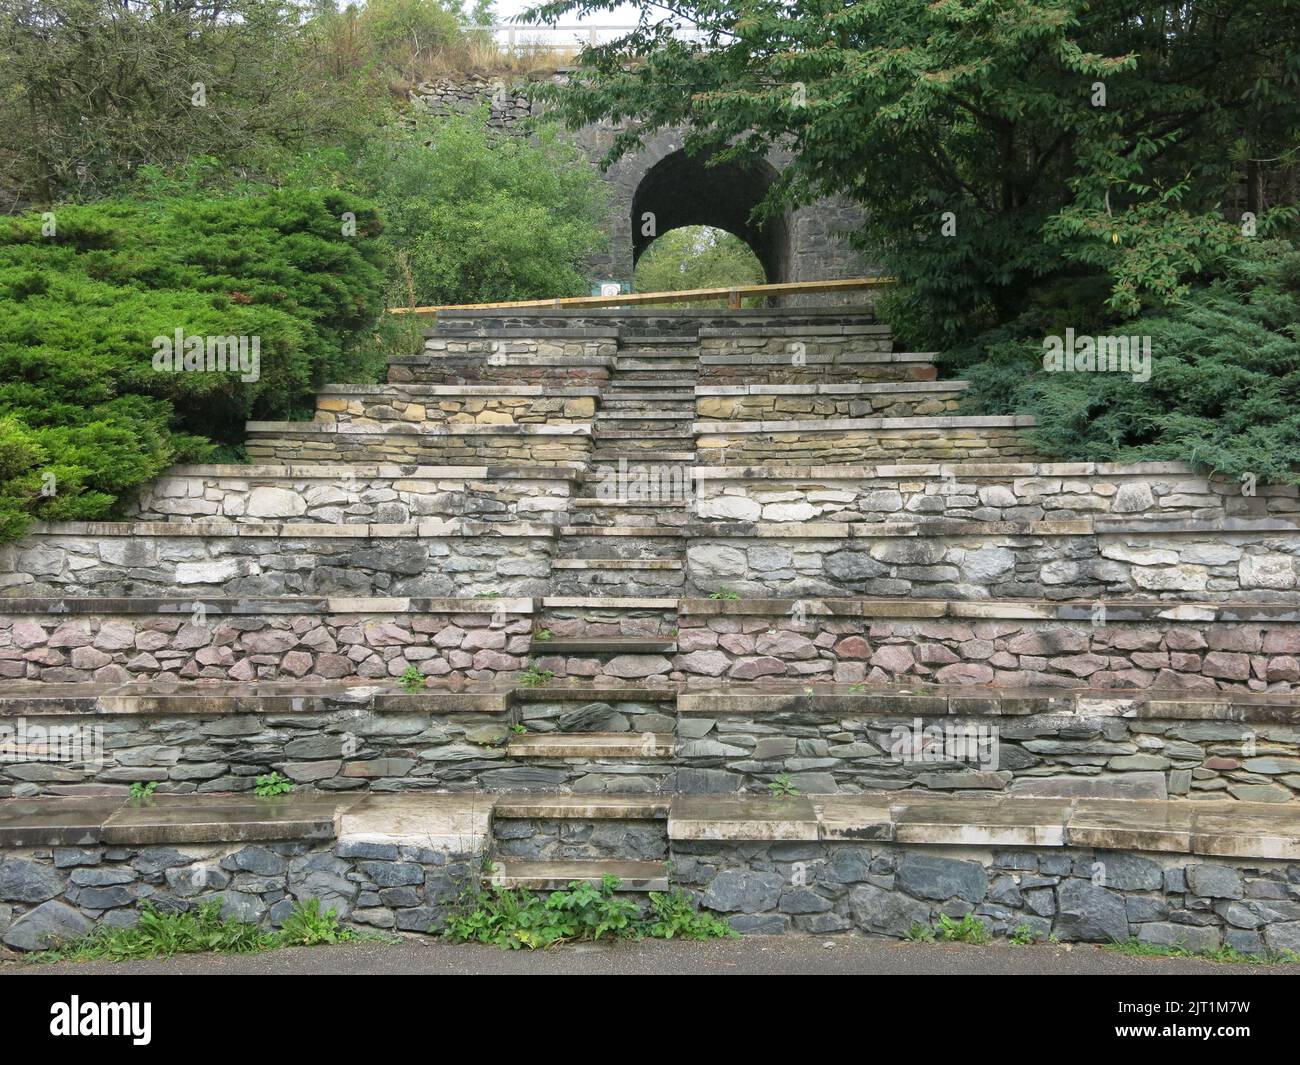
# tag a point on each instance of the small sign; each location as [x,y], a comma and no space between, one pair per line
[608,288]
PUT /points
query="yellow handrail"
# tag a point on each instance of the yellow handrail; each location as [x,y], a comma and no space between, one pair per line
[733,295]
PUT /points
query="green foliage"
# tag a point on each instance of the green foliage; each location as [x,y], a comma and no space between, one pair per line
[1224,391]
[532,677]
[481,216]
[724,594]
[972,131]
[306,926]
[697,257]
[542,635]
[272,784]
[920,933]
[84,415]
[582,912]
[780,787]
[141,790]
[673,915]
[970,929]
[162,934]
[1022,935]
[412,680]
[95,89]
[1137,949]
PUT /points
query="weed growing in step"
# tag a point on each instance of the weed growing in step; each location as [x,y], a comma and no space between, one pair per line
[1021,936]
[970,929]
[519,728]
[272,784]
[781,787]
[532,677]
[143,789]
[1136,949]
[724,593]
[412,680]
[582,912]
[160,934]
[542,635]
[920,933]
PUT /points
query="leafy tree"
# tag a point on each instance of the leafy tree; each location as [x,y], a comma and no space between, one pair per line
[697,257]
[995,144]
[478,216]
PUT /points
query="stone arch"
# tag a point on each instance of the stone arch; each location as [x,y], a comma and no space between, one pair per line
[683,190]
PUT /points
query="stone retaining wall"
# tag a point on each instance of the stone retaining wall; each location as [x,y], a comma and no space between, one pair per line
[974,492]
[391,404]
[1184,560]
[422,445]
[1188,648]
[862,440]
[1073,894]
[309,641]
[216,559]
[801,402]
[1052,754]
[391,495]
[794,366]
[62,893]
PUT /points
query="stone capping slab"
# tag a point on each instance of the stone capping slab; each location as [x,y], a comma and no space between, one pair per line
[926,470]
[874,330]
[1208,827]
[287,604]
[858,389]
[419,429]
[1019,609]
[536,806]
[830,425]
[713,817]
[71,822]
[619,603]
[417,389]
[976,701]
[418,530]
[1174,525]
[589,332]
[837,358]
[508,361]
[216,698]
[222,819]
[374,471]
[458,823]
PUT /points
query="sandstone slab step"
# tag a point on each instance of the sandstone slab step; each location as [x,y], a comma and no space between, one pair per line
[582,807]
[592,745]
[553,876]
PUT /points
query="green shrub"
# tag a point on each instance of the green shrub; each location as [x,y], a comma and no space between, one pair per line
[1224,392]
[84,415]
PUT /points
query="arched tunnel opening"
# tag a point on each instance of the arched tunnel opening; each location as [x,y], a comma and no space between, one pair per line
[681,190]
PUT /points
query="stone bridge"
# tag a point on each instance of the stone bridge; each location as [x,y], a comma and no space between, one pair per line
[675,189]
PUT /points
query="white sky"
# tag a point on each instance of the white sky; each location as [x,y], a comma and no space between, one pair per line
[621,16]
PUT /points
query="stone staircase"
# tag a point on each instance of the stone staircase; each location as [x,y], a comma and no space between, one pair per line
[742,592]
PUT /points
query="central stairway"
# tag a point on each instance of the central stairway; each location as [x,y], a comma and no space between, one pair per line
[625,589]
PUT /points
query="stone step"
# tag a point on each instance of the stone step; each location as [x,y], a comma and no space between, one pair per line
[611,396]
[649,437]
[644,416]
[586,745]
[554,876]
[624,454]
[582,807]
[604,645]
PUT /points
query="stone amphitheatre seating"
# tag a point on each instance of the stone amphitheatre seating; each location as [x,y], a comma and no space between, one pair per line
[736,594]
